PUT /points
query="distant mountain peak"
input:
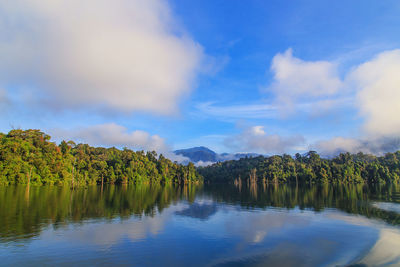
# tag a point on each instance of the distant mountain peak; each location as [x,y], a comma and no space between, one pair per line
[204,154]
[197,148]
[197,154]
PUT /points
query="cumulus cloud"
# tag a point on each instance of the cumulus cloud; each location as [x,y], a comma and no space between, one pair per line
[112,134]
[297,80]
[256,139]
[336,145]
[372,88]
[378,98]
[124,55]
[377,86]
[314,88]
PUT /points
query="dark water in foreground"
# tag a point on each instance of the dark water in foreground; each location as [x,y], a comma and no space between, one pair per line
[218,225]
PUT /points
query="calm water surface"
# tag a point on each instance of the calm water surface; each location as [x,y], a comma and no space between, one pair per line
[218,225]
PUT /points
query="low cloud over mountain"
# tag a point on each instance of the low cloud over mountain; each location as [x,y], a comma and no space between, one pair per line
[203,156]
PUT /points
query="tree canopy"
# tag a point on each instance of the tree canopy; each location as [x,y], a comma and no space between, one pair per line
[28,157]
[308,168]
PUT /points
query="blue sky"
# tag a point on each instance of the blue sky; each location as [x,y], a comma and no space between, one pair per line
[269,77]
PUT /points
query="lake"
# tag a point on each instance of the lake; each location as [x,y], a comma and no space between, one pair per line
[207,225]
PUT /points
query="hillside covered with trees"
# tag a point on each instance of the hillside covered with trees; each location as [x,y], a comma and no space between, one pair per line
[309,168]
[28,157]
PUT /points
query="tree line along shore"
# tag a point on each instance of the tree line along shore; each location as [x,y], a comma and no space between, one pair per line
[29,157]
[309,168]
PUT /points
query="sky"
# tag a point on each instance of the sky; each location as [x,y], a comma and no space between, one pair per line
[268,77]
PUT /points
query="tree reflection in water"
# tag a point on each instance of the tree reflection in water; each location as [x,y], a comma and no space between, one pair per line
[24,211]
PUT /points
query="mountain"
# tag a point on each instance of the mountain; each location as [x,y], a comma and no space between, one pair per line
[206,155]
[196,154]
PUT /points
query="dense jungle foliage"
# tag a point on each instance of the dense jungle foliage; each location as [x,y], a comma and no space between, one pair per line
[28,157]
[309,168]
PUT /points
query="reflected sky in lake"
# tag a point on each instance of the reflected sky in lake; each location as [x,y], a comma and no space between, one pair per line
[395,207]
[202,226]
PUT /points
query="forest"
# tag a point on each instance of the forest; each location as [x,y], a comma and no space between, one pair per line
[309,168]
[29,157]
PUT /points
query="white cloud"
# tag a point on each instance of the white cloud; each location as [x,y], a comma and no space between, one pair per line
[336,145]
[124,55]
[174,157]
[378,98]
[372,88]
[235,112]
[377,86]
[112,134]
[297,80]
[203,163]
[255,139]
[314,89]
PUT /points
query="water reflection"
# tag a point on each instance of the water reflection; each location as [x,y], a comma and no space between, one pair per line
[355,199]
[386,251]
[395,207]
[230,225]
[199,211]
[25,210]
